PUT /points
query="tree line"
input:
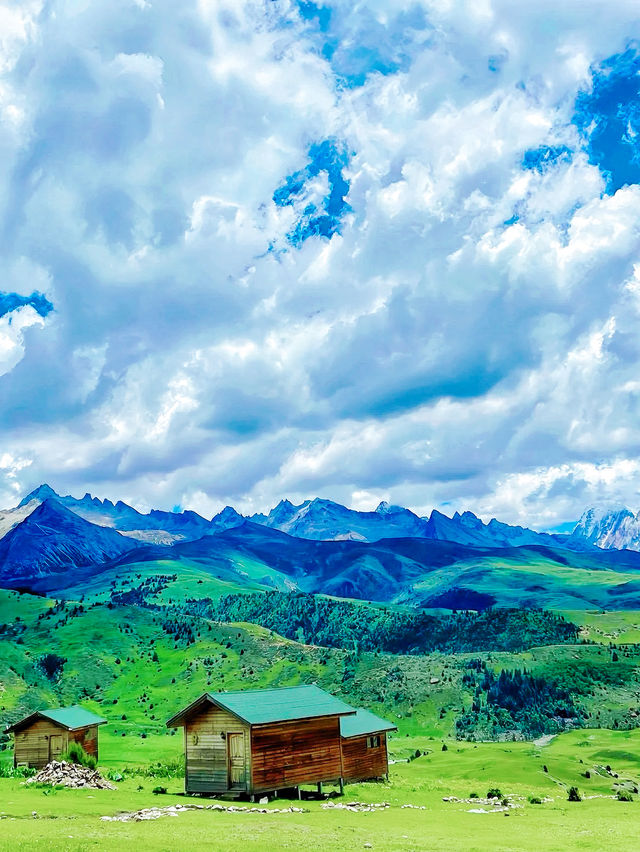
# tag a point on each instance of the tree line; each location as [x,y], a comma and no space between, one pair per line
[315,620]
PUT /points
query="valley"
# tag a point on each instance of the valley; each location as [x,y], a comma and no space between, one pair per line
[476,653]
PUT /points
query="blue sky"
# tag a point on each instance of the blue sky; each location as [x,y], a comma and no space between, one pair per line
[266,248]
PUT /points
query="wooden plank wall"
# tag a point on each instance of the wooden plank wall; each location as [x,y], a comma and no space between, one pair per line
[32,743]
[285,754]
[88,739]
[360,762]
[206,750]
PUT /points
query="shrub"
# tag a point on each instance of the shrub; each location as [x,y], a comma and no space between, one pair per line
[574,795]
[159,791]
[51,665]
[8,771]
[494,793]
[76,754]
[587,774]
[473,795]
[445,747]
[172,769]
[624,796]
[534,800]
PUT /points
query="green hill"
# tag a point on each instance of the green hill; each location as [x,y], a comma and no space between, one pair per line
[137,664]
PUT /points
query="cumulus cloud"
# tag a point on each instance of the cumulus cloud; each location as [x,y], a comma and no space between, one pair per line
[262,249]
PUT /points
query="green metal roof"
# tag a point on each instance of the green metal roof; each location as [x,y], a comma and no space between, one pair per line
[363,723]
[263,706]
[69,717]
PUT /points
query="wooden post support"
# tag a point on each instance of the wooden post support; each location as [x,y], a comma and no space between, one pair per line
[342,786]
[319,788]
[299,793]
[252,798]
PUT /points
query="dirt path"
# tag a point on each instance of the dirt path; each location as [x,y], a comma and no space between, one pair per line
[545,740]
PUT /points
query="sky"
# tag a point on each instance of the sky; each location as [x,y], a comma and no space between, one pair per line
[255,249]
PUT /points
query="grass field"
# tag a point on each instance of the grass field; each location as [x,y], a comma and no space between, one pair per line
[125,663]
[70,819]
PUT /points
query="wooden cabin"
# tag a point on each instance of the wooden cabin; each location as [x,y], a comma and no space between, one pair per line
[262,740]
[46,734]
[364,746]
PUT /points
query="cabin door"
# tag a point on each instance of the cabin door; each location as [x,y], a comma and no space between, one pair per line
[55,746]
[235,754]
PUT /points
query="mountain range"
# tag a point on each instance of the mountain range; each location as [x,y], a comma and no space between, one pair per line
[51,542]
[317,519]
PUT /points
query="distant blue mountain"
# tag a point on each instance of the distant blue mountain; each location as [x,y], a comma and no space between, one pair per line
[325,520]
[608,527]
[52,540]
[156,527]
[318,519]
[53,548]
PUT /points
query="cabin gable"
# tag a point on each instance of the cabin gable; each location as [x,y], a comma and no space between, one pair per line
[38,743]
[217,751]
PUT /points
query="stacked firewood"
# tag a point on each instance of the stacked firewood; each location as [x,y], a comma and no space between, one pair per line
[70,775]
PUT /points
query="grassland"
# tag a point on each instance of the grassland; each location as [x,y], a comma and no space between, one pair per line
[125,663]
[70,819]
[136,665]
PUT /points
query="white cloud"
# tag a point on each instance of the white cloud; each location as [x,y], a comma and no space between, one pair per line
[429,354]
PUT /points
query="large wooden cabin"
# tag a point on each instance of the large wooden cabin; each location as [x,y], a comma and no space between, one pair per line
[261,740]
[46,734]
[258,741]
[364,746]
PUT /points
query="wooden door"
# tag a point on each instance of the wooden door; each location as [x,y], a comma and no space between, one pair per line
[55,746]
[236,758]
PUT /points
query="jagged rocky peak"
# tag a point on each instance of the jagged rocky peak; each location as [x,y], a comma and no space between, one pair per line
[41,493]
[609,527]
[598,517]
[229,512]
[385,508]
[470,520]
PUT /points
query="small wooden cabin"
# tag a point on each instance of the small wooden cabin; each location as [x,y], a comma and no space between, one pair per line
[262,740]
[44,735]
[364,746]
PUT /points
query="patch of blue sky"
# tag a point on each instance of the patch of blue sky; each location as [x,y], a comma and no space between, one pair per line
[608,117]
[359,45]
[315,13]
[539,159]
[12,301]
[317,218]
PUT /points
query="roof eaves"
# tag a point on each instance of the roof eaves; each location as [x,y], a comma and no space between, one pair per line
[174,721]
[369,732]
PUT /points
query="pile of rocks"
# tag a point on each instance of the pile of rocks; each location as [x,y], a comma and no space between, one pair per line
[498,805]
[175,810]
[358,807]
[71,775]
[478,800]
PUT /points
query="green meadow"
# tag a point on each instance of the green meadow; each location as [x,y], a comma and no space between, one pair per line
[136,665]
[59,819]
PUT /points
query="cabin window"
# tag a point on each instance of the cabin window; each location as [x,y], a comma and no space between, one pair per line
[373,742]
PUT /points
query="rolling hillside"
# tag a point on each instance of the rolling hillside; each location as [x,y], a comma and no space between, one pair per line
[54,550]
